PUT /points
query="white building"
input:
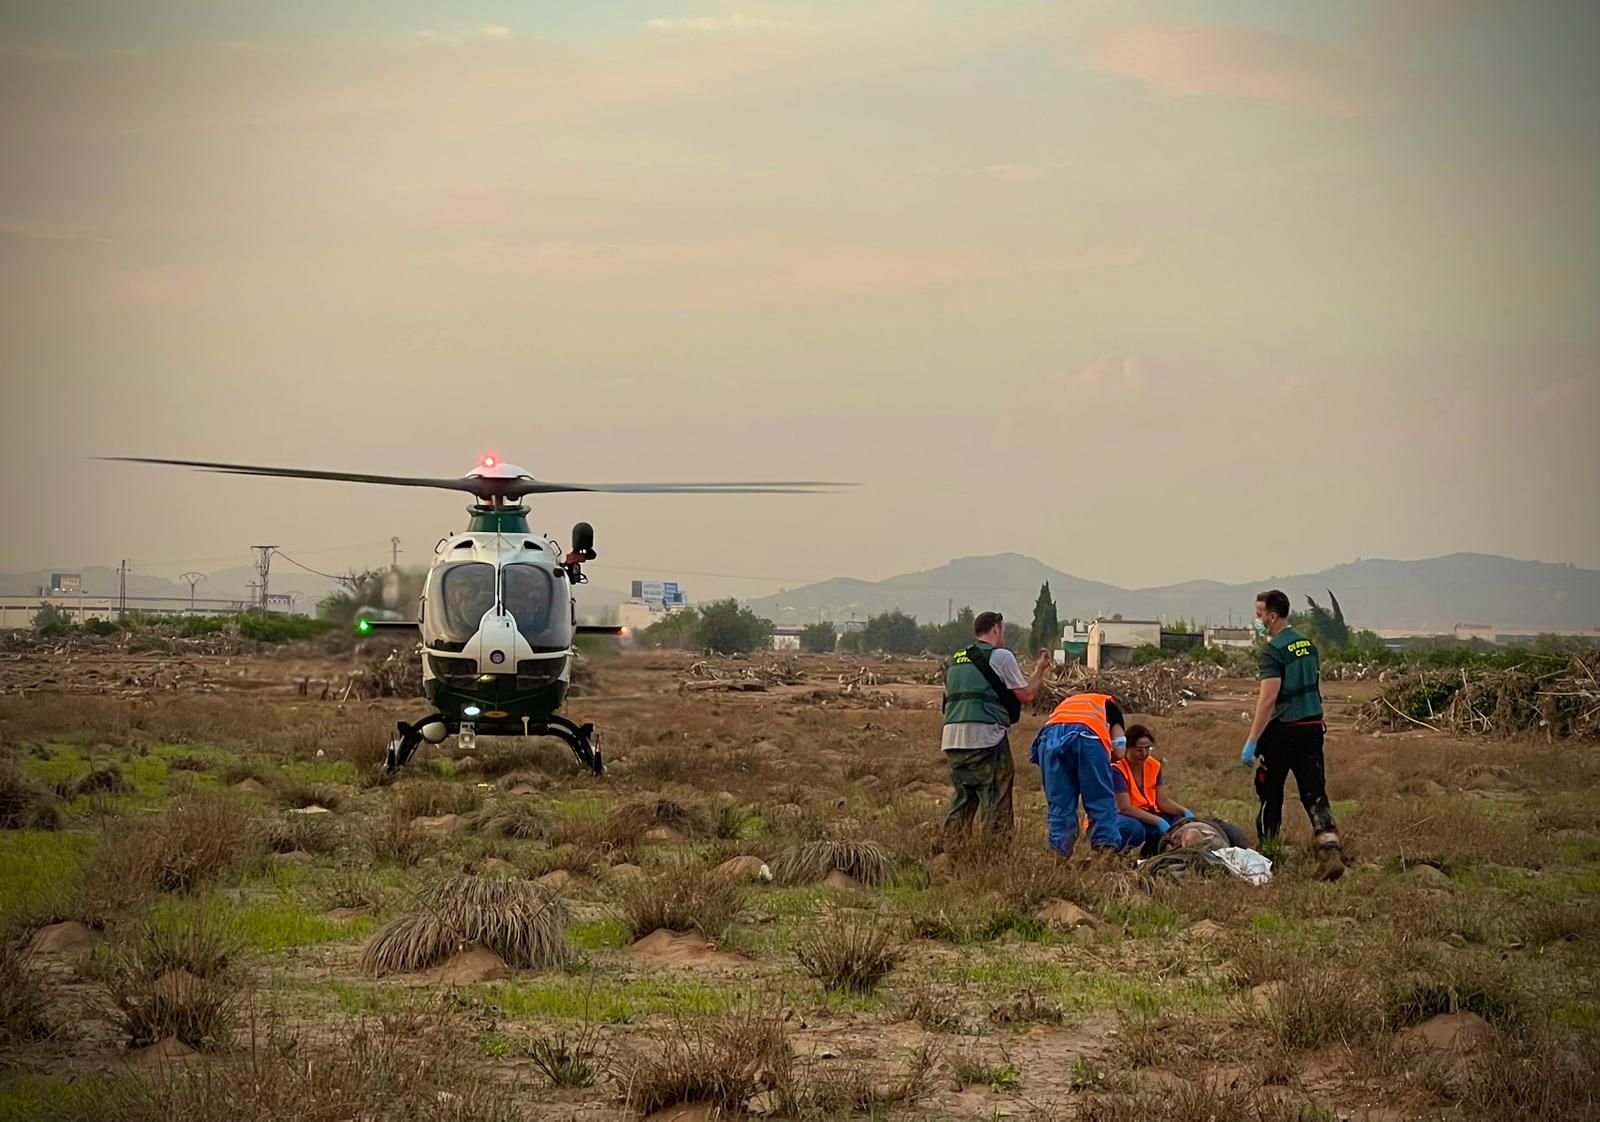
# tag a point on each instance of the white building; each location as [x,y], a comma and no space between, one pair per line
[1113,641]
[1231,638]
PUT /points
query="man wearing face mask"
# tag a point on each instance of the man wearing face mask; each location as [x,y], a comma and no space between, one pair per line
[1287,733]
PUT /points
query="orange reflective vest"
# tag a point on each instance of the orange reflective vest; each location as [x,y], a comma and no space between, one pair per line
[1088,710]
[1142,797]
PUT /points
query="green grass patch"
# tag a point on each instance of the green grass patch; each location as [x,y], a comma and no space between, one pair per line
[279,925]
[598,934]
[368,999]
[1144,921]
[40,867]
[792,903]
[322,771]
[578,807]
[67,764]
[33,1098]
[609,1002]
[1088,990]
[1271,923]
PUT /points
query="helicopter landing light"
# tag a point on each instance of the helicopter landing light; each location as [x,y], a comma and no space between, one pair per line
[470,711]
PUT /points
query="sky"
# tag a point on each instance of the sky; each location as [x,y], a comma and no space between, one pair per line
[1152,292]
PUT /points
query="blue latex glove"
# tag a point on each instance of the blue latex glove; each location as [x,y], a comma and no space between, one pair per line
[1248,756]
[1161,825]
[1188,814]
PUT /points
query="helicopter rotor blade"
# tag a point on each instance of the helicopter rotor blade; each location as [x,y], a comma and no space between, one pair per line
[762,487]
[469,485]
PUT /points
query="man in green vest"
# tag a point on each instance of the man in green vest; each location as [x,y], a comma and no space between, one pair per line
[984,692]
[1287,733]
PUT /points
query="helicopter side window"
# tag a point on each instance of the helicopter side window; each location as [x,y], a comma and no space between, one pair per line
[526,592]
[466,591]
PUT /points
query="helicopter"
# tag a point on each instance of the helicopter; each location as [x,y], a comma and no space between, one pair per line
[497,616]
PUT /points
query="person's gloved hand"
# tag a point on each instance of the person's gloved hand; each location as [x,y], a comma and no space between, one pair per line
[1161,825]
[1188,814]
[1248,756]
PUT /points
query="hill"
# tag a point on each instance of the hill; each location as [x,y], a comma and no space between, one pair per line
[1432,594]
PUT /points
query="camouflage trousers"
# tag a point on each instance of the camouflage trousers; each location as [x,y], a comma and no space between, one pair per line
[981,780]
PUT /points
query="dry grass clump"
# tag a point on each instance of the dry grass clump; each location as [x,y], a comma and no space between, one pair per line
[431,799]
[864,861]
[633,818]
[1318,1007]
[24,804]
[107,780]
[365,745]
[524,923]
[197,839]
[690,898]
[721,1061]
[1543,1076]
[568,1061]
[305,833]
[298,793]
[394,838]
[851,955]
[402,1066]
[22,1000]
[515,819]
[177,976]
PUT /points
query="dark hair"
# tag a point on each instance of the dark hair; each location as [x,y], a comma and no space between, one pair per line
[1136,733]
[1275,601]
[986,622]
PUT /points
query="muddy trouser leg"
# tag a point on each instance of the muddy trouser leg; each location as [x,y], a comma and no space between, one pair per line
[1058,771]
[1310,778]
[1001,819]
[969,775]
[1099,799]
[1273,755]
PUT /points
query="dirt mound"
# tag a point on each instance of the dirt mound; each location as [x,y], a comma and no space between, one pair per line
[838,878]
[744,868]
[1064,915]
[467,967]
[1264,996]
[66,938]
[677,948]
[162,1052]
[688,1112]
[443,824]
[557,879]
[246,785]
[626,871]
[1455,1033]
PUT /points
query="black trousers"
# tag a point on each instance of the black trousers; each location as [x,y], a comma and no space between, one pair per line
[1298,749]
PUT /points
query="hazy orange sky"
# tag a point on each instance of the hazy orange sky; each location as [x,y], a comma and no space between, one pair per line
[1149,291]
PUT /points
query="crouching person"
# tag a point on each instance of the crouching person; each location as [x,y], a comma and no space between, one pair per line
[1145,808]
[1074,752]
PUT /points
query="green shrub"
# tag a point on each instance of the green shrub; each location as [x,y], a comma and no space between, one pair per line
[280,629]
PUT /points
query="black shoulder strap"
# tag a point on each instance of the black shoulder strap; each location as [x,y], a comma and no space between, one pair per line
[1008,698]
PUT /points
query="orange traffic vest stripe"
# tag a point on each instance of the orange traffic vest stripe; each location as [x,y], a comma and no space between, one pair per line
[1144,799]
[1088,710]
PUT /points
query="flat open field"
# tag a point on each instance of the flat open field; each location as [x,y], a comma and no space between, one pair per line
[199,872]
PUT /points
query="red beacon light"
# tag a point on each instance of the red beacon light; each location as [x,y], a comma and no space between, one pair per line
[488,461]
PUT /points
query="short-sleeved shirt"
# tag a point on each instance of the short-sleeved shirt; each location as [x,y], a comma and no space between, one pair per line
[981,734]
[1119,782]
[1293,658]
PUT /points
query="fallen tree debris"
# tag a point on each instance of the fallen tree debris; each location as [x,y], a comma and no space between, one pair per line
[1560,703]
[1154,690]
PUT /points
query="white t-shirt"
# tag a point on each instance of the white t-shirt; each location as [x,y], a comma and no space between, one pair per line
[982,734]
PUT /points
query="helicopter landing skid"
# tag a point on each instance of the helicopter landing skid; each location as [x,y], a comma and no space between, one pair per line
[580,738]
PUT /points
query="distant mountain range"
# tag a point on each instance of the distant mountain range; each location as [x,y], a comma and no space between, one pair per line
[1434,594]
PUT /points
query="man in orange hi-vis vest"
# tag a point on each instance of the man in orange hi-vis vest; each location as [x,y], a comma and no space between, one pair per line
[1074,752]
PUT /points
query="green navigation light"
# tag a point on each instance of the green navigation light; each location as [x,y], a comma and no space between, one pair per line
[364,627]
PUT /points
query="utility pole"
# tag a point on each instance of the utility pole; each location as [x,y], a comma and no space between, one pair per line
[394,553]
[263,567]
[192,579]
[122,590]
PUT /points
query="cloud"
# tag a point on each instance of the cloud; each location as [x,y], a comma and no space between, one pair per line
[715,24]
[1192,61]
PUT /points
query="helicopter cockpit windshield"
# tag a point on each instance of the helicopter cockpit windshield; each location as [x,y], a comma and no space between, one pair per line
[528,593]
[466,592]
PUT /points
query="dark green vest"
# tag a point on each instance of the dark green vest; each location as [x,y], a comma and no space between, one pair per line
[967,695]
[1300,697]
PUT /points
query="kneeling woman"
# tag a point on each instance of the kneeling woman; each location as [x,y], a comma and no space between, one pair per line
[1145,810]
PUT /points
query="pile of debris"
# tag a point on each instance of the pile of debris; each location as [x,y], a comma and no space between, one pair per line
[1560,703]
[1154,690]
[396,672]
[705,676]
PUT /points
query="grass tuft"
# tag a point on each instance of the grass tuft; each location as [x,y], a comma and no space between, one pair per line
[432,799]
[523,923]
[516,819]
[851,955]
[22,1000]
[864,861]
[25,804]
[177,974]
[721,1061]
[690,898]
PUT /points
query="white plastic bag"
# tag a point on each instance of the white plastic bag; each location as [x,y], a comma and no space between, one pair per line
[1245,863]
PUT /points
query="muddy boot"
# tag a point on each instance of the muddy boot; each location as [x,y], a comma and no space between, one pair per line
[1330,862]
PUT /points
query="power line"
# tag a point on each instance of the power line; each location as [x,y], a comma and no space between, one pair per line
[314,572]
